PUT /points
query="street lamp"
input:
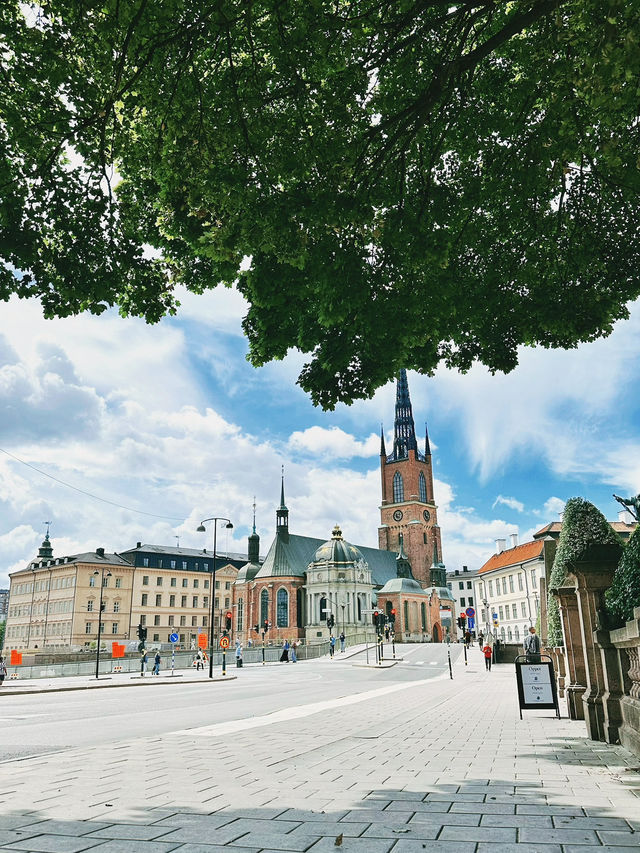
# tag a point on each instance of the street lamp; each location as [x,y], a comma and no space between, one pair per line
[202,529]
[100,609]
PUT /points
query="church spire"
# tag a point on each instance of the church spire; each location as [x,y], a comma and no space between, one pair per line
[427,446]
[383,449]
[282,513]
[254,540]
[45,551]
[404,438]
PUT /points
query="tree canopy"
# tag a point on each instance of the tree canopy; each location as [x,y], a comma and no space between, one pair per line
[413,181]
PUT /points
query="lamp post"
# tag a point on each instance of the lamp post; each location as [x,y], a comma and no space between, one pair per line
[100,609]
[33,590]
[202,529]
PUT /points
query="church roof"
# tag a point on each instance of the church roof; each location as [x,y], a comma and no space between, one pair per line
[291,559]
[337,550]
[409,586]
[247,573]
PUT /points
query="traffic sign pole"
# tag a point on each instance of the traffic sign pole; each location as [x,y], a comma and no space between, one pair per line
[466,663]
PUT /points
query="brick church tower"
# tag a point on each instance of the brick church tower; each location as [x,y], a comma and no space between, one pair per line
[408,513]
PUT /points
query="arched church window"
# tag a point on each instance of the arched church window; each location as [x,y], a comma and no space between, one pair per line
[423,616]
[323,609]
[264,605]
[406,616]
[359,609]
[398,488]
[282,608]
[422,487]
[240,622]
[388,608]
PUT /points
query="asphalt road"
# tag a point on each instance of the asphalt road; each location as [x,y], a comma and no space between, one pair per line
[34,724]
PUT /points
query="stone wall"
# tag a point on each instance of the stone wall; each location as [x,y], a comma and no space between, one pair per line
[626,641]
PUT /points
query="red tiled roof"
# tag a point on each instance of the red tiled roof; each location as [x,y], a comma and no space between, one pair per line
[513,556]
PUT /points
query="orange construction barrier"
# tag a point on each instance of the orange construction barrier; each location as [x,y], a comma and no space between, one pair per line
[16,658]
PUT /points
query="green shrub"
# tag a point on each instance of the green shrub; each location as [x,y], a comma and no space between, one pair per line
[583,525]
[624,593]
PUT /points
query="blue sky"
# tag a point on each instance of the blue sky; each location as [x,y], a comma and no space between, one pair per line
[172,420]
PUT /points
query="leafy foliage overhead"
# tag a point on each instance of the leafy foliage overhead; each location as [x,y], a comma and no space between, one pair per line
[430,181]
[624,593]
[583,525]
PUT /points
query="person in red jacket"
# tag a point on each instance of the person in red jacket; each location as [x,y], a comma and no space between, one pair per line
[487,652]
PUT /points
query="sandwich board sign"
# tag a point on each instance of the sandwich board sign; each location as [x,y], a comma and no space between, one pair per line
[536,684]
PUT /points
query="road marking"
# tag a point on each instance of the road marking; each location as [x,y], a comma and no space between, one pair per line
[292,713]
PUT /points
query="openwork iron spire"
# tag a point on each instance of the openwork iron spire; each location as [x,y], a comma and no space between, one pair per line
[404,438]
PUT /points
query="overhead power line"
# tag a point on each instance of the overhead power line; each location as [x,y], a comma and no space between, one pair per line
[88,494]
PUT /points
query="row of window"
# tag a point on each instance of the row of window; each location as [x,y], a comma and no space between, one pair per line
[466,601]
[282,608]
[105,581]
[511,612]
[398,488]
[43,585]
[177,620]
[54,629]
[183,601]
[185,582]
[507,584]
[40,608]
[173,564]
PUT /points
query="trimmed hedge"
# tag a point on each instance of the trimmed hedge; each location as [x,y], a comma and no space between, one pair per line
[624,593]
[583,525]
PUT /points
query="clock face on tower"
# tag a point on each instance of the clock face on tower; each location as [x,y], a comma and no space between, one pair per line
[398,515]
[426,515]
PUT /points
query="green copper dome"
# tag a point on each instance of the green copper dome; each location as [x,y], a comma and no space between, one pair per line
[336,550]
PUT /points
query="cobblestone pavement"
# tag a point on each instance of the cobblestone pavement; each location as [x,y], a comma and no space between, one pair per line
[433,765]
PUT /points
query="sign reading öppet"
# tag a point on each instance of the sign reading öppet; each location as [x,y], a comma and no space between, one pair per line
[536,685]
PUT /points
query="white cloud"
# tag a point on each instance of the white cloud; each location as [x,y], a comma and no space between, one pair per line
[333,442]
[553,508]
[512,503]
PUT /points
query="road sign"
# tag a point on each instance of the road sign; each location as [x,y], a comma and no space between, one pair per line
[224,642]
[470,612]
[173,638]
[471,623]
[202,641]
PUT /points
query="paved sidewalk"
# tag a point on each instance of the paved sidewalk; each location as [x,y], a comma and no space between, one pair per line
[433,765]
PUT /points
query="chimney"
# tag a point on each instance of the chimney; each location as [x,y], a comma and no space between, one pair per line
[138,544]
[501,544]
[625,517]
[465,568]
[100,552]
[457,572]
[514,539]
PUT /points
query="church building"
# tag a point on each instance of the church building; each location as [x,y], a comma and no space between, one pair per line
[303,580]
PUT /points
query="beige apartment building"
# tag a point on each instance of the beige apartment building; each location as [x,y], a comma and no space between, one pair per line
[54,603]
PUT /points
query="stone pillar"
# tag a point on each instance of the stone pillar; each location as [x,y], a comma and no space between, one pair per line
[574,653]
[593,575]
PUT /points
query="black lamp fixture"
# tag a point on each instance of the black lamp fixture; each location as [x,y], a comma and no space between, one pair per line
[202,529]
[100,609]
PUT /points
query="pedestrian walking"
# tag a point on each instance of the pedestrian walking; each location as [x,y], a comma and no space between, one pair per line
[199,660]
[294,657]
[332,645]
[238,654]
[156,664]
[3,670]
[531,646]
[467,638]
[481,640]
[284,657]
[487,652]
[342,641]
[249,642]
[143,662]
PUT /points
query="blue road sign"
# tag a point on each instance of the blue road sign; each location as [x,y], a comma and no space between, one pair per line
[173,638]
[471,623]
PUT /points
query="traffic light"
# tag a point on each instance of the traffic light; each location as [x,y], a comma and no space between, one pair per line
[227,620]
[256,628]
[392,616]
[142,631]
[331,621]
[266,625]
[375,618]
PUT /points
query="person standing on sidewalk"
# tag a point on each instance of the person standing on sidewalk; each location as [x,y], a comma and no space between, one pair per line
[487,652]
[199,660]
[531,646]
[332,645]
[294,657]
[238,655]
[3,670]
[284,657]
[143,662]
[342,641]
[156,664]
